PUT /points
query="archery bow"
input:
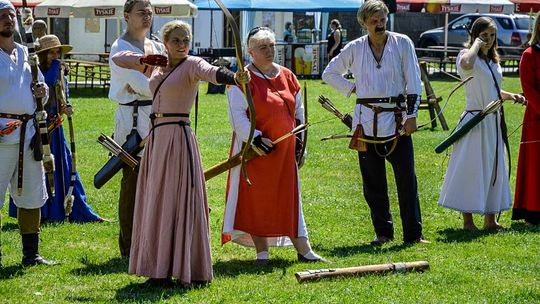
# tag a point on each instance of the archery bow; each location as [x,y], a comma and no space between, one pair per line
[347,120]
[41,115]
[60,90]
[460,84]
[305,137]
[247,92]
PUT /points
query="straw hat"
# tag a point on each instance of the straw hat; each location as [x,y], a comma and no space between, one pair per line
[48,42]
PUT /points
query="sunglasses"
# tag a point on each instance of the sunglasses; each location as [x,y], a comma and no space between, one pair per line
[257,29]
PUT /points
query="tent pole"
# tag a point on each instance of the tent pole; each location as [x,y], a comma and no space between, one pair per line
[118,27]
[445,35]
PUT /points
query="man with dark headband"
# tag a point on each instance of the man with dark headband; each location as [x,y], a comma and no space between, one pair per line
[388,87]
[19,172]
[131,90]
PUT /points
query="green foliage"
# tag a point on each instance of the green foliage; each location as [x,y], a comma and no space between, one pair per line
[480,267]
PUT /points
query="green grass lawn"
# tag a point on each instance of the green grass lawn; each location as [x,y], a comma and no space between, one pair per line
[480,267]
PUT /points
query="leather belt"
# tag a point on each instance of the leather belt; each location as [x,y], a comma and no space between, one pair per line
[137,103]
[398,117]
[183,125]
[397,100]
[155,115]
[24,118]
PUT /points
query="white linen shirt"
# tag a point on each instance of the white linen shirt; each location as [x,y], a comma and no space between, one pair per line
[16,91]
[121,79]
[399,74]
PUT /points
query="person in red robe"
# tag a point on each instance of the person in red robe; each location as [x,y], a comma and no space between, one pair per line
[269,211]
[527,195]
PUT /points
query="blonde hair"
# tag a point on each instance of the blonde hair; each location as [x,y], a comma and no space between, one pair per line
[535,38]
[369,8]
[170,26]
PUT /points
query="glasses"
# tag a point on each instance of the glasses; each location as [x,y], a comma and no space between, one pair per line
[257,29]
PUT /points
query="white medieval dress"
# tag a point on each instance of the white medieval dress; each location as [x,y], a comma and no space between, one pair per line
[477,177]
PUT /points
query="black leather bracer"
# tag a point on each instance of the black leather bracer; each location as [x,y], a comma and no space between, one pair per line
[412,106]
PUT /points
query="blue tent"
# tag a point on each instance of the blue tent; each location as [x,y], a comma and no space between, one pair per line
[284,5]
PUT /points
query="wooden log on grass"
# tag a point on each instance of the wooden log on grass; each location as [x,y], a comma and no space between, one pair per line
[315,275]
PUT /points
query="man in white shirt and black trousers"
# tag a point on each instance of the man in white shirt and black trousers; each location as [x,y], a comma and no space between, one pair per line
[388,88]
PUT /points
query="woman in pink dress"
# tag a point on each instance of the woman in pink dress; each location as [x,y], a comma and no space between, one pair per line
[170,229]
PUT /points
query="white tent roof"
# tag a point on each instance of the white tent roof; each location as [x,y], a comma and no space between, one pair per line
[110,8]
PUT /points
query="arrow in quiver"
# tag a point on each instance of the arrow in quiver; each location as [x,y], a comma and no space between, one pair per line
[122,156]
[329,106]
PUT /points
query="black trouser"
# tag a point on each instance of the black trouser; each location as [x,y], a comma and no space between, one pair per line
[126,207]
[373,169]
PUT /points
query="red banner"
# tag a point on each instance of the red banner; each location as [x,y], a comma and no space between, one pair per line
[451,8]
[104,12]
[163,10]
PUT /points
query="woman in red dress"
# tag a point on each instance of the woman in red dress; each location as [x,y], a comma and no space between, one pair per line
[527,197]
[269,211]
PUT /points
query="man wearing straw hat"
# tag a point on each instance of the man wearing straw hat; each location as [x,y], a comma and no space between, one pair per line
[19,170]
[131,90]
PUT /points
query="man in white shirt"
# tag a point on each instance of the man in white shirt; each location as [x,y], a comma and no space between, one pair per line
[18,168]
[388,87]
[131,90]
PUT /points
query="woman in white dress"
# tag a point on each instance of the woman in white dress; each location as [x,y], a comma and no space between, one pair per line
[477,178]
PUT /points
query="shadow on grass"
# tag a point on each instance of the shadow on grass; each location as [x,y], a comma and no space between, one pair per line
[10,227]
[522,227]
[233,268]
[451,235]
[144,293]
[345,251]
[11,272]
[114,265]
[96,92]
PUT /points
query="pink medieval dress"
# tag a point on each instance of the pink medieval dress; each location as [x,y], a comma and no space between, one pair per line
[171,228]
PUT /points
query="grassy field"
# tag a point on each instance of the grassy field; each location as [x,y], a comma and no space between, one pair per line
[480,267]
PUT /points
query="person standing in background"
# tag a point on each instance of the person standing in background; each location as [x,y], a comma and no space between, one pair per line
[131,90]
[335,40]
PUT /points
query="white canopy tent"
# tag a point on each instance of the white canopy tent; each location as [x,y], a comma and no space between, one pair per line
[109,8]
[105,9]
